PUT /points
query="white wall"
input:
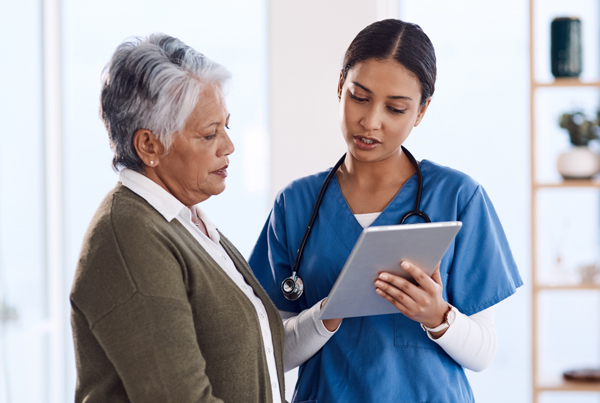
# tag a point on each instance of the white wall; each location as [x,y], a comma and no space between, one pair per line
[307,41]
[477,123]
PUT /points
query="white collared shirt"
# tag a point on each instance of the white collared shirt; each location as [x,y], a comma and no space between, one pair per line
[171,208]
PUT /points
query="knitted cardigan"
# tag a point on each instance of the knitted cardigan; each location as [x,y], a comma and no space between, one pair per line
[155,319]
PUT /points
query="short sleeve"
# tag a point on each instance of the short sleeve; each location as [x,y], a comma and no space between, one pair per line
[270,258]
[483,270]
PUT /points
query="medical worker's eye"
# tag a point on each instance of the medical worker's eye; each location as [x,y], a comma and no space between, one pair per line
[357,99]
[396,111]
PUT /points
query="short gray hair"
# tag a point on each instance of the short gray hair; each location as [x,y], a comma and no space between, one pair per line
[152,83]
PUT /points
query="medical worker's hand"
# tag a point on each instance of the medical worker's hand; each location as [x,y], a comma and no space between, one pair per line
[423,302]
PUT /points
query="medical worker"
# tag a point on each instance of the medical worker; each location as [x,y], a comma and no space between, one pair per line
[444,323]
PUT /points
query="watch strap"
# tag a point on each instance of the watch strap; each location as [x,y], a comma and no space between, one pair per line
[445,324]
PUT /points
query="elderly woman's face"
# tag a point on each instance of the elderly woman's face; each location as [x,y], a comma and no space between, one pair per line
[196,166]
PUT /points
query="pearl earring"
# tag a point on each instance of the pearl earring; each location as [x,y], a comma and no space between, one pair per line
[151,162]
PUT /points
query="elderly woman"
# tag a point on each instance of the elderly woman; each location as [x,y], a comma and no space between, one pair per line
[164,308]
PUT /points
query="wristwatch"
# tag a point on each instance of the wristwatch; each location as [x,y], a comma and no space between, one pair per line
[449,318]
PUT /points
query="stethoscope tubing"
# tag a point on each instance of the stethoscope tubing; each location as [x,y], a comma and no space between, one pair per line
[417,211]
[313,216]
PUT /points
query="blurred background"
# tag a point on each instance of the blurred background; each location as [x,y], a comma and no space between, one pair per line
[495,115]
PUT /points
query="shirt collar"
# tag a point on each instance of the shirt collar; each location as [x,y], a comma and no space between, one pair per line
[164,202]
[211,229]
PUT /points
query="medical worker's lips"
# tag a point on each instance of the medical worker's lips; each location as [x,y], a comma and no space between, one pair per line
[222,172]
[366,143]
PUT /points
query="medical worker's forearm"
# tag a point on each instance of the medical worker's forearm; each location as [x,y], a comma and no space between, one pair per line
[471,340]
[305,334]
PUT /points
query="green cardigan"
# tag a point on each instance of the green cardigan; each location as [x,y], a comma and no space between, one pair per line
[155,319]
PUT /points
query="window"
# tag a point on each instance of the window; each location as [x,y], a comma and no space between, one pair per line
[36,349]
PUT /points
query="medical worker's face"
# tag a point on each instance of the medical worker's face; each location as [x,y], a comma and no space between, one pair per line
[379,106]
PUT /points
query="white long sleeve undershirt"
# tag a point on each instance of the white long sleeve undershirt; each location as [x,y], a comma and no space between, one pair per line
[470,341]
[305,334]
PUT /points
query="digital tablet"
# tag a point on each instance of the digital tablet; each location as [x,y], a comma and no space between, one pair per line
[381,248]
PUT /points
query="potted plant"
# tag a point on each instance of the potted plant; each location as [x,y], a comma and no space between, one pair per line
[579,162]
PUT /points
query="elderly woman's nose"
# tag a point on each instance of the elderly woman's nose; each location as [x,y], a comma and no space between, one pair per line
[228,147]
[372,119]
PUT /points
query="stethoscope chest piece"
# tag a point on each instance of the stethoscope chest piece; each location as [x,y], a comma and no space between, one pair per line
[292,288]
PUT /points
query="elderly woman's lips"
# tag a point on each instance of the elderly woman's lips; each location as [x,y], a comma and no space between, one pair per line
[221,172]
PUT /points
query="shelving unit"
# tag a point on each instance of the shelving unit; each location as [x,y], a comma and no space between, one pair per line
[557,383]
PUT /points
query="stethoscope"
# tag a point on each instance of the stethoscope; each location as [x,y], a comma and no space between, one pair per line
[293,287]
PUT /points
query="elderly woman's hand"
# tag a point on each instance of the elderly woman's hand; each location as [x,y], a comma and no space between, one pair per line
[422,302]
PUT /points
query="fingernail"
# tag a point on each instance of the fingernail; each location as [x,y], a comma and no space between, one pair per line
[383,276]
[378,291]
[405,265]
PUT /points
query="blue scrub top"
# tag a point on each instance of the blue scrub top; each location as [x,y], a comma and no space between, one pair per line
[385,358]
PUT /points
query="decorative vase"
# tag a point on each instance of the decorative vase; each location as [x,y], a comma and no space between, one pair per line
[565,47]
[578,163]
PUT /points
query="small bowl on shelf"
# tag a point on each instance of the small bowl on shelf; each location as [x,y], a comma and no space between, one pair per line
[588,375]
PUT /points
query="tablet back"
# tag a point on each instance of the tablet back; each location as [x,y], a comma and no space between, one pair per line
[381,248]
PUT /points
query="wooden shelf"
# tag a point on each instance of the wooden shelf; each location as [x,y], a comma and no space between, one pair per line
[566,287]
[558,384]
[571,183]
[567,82]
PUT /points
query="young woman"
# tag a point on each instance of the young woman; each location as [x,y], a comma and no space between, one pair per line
[445,322]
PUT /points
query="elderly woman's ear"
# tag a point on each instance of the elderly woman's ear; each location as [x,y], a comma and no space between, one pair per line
[148,147]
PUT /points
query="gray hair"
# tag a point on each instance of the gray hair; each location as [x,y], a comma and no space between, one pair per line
[152,83]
